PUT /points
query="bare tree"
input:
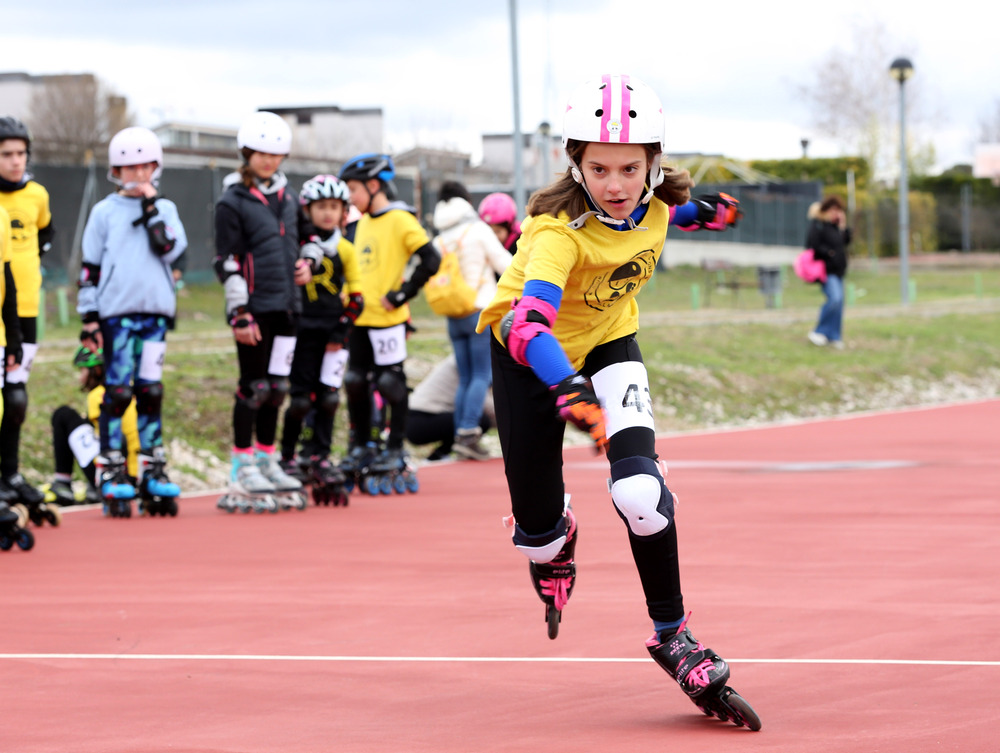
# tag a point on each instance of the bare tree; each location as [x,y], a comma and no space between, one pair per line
[74,115]
[855,101]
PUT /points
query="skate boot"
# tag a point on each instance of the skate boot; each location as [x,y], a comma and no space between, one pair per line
[287,489]
[328,483]
[12,532]
[60,492]
[703,675]
[357,465]
[390,472]
[31,500]
[248,489]
[158,494]
[554,580]
[117,491]
[296,467]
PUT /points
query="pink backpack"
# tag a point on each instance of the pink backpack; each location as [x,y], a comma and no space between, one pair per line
[809,268]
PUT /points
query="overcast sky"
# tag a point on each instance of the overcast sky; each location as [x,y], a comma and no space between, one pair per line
[729,74]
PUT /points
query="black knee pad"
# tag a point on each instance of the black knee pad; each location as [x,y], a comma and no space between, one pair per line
[391,383]
[149,398]
[260,391]
[327,401]
[117,397]
[15,403]
[356,386]
[298,406]
[280,387]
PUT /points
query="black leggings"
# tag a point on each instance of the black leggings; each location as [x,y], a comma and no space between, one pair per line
[531,436]
[254,361]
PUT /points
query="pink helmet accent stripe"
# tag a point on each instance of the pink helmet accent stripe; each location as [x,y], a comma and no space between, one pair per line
[615,105]
[605,108]
[626,107]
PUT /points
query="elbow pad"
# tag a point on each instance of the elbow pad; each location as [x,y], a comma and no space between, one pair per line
[528,317]
[159,238]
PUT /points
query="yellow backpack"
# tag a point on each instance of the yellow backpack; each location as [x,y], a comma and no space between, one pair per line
[447,292]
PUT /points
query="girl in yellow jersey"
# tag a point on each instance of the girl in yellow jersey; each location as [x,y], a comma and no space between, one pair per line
[564,349]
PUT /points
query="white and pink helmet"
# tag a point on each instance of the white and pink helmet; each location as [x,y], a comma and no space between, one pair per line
[616,109]
[135,146]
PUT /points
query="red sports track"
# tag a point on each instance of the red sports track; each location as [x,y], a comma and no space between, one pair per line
[847,569]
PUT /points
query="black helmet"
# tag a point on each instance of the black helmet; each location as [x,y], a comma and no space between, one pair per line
[368,166]
[12,128]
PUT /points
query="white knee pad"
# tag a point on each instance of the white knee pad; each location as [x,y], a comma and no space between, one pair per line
[641,497]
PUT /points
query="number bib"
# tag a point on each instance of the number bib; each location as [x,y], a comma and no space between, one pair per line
[282,353]
[154,352]
[623,389]
[389,345]
[84,444]
[23,371]
[331,373]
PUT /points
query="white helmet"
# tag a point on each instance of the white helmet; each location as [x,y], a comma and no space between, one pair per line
[616,109]
[265,132]
[135,146]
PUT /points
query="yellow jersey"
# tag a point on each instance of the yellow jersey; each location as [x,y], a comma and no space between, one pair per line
[384,244]
[28,208]
[130,426]
[600,271]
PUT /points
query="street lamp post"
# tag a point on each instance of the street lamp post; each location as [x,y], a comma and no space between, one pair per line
[901,69]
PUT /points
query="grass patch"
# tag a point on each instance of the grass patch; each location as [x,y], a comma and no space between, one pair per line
[734,363]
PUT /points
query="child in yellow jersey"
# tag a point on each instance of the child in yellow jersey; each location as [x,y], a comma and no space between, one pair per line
[564,348]
[27,204]
[386,237]
[331,302]
[76,437]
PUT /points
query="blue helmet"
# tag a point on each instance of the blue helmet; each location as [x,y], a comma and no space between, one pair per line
[368,166]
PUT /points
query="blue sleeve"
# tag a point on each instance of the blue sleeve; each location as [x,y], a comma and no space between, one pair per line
[544,353]
[684,214]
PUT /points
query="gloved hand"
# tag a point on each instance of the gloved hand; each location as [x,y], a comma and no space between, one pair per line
[313,254]
[717,211]
[577,403]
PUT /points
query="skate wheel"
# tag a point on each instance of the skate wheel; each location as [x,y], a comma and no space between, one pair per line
[171,508]
[342,499]
[743,713]
[553,617]
[53,515]
[6,542]
[36,516]
[412,484]
[25,539]
[301,500]
[371,485]
[349,484]
[22,514]
[399,485]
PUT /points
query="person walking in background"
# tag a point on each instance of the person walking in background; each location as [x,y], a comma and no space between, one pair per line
[499,211]
[481,260]
[564,349]
[828,237]
[258,263]
[27,205]
[128,301]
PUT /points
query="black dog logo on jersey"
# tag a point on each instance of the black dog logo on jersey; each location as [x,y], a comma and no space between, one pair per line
[606,290]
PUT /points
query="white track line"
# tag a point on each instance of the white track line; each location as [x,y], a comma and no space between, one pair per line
[467,659]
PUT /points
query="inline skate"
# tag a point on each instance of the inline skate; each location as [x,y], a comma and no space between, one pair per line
[117,490]
[249,490]
[554,580]
[328,482]
[31,501]
[288,492]
[157,493]
[702,675]
[390,472]
[356,466]
[12,532]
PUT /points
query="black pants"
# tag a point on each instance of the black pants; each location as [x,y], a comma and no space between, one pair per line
[310,349]
[10,425]
[362,369]
[254,361]
[531,436]
[64,421]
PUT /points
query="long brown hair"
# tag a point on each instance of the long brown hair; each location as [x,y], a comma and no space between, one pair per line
[566,195]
